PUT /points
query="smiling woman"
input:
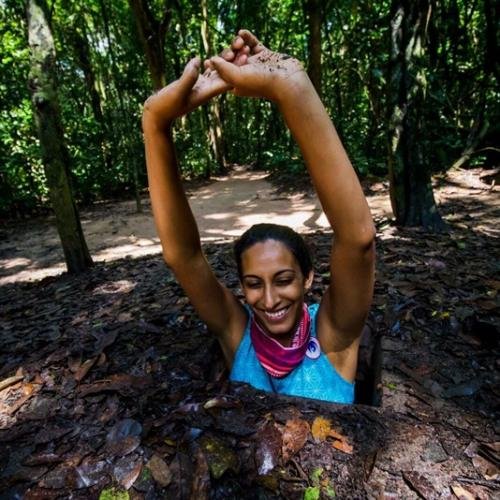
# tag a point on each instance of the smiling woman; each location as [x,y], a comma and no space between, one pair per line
[274,342]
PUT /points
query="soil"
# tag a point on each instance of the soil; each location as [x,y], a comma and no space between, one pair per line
[31,250]
[110,385]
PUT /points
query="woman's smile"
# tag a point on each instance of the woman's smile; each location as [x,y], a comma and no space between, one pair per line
[277,316]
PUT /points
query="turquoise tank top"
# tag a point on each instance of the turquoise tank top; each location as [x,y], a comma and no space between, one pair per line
[313,378]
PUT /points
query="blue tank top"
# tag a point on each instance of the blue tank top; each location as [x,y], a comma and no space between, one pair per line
[313,378]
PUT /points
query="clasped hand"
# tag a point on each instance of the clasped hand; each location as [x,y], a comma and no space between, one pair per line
[246,67]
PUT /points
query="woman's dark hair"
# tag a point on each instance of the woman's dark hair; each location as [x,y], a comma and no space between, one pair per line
[259,233]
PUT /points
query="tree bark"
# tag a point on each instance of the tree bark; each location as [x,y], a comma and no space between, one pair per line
[152,36]
[411,192]
[54,153]
[312,9]
[213,107]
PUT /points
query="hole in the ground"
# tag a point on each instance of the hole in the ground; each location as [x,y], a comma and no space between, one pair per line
[368,378]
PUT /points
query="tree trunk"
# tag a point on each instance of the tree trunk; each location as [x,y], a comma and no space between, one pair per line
[312,9]
[152,35]
[411,192]
[54,153]
[213,113]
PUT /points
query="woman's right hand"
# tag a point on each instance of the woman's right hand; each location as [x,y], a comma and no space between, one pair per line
[265,73]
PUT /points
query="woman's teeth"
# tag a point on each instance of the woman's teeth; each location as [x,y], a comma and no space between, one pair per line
[277,314]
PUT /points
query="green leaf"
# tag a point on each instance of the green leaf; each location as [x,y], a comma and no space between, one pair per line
[316,474]
[312,493]
[114,494]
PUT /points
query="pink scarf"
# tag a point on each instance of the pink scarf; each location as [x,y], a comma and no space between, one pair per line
[277,360]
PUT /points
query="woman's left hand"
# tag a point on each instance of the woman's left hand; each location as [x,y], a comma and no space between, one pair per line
[192,89]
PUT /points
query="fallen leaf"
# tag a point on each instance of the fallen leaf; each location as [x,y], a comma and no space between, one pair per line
[200,488]
[488,470]
[84,368]
[219,456]
[159,470]
[126,471]
[114,494]
[321,428]
[124,437]
[343,445]
[420,484]
[294,437]
[90,473]
[312,493]
[269,444]
[462,493]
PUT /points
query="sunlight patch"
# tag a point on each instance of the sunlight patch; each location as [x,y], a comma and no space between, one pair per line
[120,286]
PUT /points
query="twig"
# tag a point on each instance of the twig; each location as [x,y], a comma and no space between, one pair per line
[10,381]
[493,484]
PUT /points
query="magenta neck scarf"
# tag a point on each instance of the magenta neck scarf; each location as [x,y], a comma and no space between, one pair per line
[277,360]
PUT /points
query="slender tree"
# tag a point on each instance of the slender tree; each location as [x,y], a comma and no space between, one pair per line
[312,10]
[152,36]
[411,192]
[212,109]
[54,153]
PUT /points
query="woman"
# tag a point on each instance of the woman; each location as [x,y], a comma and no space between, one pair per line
[270,341]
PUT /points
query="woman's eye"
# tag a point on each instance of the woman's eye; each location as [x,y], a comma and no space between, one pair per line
[284,282]
[254,284]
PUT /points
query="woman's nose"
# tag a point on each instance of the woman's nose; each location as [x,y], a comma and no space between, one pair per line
[270,297]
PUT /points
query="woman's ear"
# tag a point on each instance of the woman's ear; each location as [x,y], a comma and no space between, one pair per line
[309,281]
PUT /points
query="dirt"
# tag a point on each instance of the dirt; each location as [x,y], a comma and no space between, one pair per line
[30,251]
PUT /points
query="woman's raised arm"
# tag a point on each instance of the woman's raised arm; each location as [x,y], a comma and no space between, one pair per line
[345,305]
[173,217]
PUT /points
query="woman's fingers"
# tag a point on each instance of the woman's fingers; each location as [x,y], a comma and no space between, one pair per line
[228,71]
[238,43]
[189,75]
[251,40]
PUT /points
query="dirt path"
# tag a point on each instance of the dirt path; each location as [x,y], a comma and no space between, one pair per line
[31,250]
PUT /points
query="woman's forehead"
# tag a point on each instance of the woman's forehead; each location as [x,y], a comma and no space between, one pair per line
[268,255]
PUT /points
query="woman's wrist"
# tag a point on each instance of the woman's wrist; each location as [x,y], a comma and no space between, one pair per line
[295,89]
[152,123]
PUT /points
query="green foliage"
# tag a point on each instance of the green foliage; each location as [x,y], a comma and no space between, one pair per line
[102,126]
[114,494]
[312,493]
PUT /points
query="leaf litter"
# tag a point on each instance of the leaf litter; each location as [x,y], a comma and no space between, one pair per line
[111,385]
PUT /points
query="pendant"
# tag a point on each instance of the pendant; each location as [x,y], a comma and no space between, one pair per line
[313,349]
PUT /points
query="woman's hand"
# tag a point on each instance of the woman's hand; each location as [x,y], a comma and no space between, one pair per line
[265,73]
[182,96]
[191,89]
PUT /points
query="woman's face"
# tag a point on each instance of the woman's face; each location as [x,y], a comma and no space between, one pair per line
[274,287]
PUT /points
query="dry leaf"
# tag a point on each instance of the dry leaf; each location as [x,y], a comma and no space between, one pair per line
[159,470]
[84,368]
[488,470]
[321,428]
[294,437]
[462,493]
[343,445]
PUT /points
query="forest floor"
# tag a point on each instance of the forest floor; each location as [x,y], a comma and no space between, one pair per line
[109,382]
